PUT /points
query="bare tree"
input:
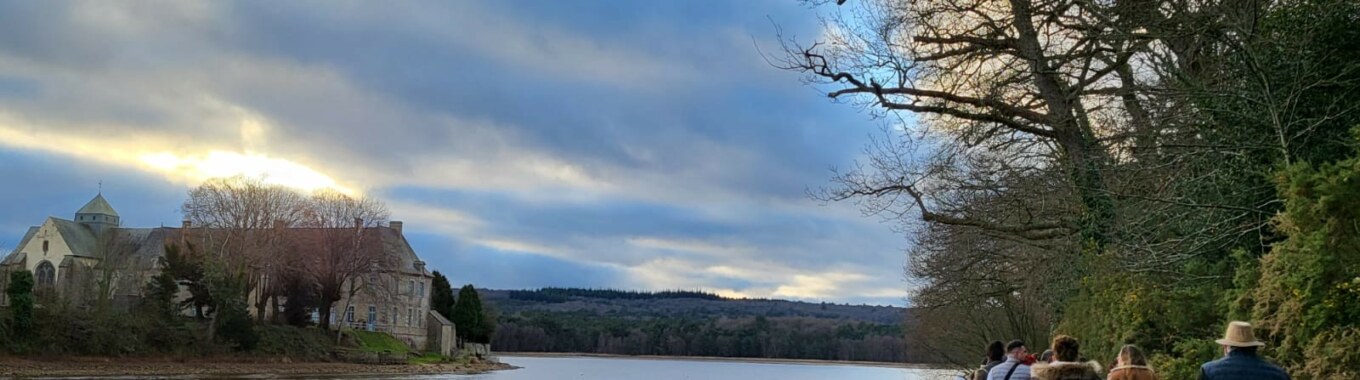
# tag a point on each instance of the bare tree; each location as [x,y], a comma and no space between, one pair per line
[116,269]
[344,248]
[1017,86]
[241,217]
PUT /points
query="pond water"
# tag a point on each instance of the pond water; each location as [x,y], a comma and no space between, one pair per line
[539,368]
[593,368]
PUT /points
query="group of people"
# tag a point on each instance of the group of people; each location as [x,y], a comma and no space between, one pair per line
[1063,361]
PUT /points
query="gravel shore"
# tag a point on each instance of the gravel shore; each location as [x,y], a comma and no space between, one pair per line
[66,366]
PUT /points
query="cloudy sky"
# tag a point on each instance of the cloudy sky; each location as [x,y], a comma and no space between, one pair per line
[625,144]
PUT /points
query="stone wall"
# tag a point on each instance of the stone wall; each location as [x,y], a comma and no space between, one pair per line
[480,350]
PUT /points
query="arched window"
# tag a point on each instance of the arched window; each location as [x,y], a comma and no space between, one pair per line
[46,274]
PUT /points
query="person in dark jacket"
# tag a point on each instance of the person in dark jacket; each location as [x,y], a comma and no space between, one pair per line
[1067,364]
[1240,360]
[996,354]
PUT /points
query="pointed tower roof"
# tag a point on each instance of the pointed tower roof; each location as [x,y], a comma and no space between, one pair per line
[98,206]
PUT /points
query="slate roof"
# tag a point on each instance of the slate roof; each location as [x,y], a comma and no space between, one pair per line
[402,258]
[77,236]
[98,206]
[14,257]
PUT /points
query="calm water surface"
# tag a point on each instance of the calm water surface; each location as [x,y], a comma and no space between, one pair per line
[651,369]
[571,368]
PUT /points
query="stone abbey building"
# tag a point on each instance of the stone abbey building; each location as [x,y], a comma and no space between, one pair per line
[65,257]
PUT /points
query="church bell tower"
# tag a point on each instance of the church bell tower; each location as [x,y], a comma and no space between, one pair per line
[98,215]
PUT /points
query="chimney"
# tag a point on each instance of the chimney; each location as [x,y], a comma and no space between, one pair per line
[186,224]
[420,266]
[395,225]
[184,232]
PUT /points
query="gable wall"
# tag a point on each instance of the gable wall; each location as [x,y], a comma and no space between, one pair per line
[56,248]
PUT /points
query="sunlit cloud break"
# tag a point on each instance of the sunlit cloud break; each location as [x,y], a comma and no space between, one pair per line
[228,164]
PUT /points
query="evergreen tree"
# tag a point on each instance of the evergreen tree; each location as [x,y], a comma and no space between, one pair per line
[1308,297]
[441,297]
[160,296]
[469,318]
[20,294]
[187,269]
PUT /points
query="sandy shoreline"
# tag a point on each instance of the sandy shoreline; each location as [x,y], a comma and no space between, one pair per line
[718,359]
[85,366]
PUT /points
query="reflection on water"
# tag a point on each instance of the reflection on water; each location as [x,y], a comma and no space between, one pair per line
[536,368]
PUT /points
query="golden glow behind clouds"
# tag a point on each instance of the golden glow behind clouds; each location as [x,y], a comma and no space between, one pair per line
[227,164]
[167,155]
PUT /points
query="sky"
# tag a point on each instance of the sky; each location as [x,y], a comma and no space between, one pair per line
[620,144]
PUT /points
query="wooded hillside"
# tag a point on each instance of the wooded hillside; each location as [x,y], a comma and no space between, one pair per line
[686,323]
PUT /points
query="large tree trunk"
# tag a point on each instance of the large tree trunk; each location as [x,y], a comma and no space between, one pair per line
[1083,154]
[324,310]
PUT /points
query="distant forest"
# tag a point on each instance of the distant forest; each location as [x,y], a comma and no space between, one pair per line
[694,323]
[558,295]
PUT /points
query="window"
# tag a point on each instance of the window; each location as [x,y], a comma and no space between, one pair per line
[395,315]
[409,313]
[420,289]
[372,317]
[44,247]
[349,314]
[412,288]
[46,274]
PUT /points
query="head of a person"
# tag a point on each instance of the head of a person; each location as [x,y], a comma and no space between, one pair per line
[1240,338]
[996,351]
[1016,349]
[1132,355]
[1047,356]
[1066,349]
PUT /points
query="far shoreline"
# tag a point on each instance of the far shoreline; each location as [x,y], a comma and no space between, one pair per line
[720,359]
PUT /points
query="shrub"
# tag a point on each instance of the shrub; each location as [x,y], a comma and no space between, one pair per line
[236,327]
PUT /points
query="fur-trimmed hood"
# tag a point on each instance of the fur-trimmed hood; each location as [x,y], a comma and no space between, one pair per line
[1132,372]
[1067,371]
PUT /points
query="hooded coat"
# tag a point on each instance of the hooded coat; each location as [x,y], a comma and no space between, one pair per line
[1067,371]
[1132,372]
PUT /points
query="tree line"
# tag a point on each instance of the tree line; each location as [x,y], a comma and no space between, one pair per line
[558,295]
[1125,172]
[746,337]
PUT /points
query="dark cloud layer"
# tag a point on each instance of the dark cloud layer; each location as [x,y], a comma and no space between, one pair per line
[612,144]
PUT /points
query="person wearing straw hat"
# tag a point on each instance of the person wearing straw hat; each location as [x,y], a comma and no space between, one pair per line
[1240,360]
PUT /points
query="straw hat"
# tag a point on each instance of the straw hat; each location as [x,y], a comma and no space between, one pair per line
[1239,334]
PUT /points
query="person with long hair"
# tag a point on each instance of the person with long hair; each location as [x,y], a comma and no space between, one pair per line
[1132,365]
[1067,363]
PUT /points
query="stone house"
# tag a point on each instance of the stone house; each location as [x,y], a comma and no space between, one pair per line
[95,255]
